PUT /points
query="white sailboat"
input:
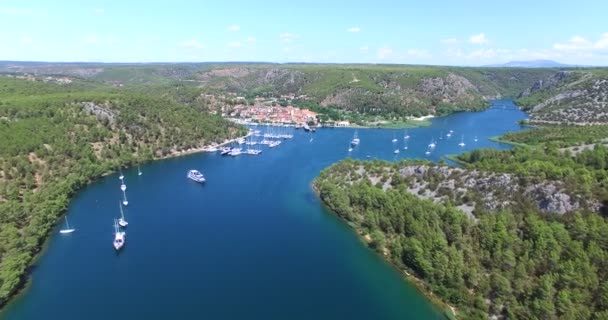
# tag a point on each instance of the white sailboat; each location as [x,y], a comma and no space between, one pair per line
[396,151]
[139,171]
[122,221]
[405,145]
[123,187]
[394,139]
[356,140]
[124,198]
[475,139]
[67,227]
[121,176]
[461,141]
[432,144]
[119,237]
[406,135]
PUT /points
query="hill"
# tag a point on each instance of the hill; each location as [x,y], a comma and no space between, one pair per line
[59,134]
[570,96]
[531,64]
[389,91]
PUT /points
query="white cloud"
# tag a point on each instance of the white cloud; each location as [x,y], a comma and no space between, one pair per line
[385,53]
[287,37]
[573,44]
[234,27]
[99,11]
[364,48]
[353,29]
[251,39]
[450,41]
[478,39]
[26,40]
[234,44]
[192,44]
[602,43]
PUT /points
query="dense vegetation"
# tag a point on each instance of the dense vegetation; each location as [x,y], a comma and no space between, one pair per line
[58,137]
[560,136]
[391,92]
[518,262]
[573,96]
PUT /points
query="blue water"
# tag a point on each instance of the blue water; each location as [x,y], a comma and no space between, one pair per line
[252,243]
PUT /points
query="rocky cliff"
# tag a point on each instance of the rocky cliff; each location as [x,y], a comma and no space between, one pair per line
[575,97]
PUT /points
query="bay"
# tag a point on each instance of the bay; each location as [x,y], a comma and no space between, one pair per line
[254,242]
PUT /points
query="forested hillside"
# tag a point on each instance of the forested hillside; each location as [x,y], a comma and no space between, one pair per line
[518,261]
[55,138]
[389,91]
[575,97]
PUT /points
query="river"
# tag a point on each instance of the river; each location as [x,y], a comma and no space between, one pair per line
[254,242]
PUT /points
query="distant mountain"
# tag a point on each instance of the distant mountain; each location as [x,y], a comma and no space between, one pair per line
[531,64]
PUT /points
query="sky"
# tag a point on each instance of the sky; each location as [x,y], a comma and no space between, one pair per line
[464,32]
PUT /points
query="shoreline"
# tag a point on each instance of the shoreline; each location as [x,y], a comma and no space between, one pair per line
[406,275]
[179,153]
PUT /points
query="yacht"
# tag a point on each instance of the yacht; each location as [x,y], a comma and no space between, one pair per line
[235,152]
[67,227]
[225,151]
[196,176]
[119,237]
[123,187]
[355,140]
[211,149]
[122,221]
[350,149]
[396,151]
[306,127]
[432,144]
[274,144]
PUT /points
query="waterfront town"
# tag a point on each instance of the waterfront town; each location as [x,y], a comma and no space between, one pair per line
[274,114]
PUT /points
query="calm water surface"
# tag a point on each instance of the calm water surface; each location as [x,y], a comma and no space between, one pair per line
[252,243]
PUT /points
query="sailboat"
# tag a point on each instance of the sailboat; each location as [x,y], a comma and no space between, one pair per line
[123,187]
[475,139]
[428,151]
[405,145]
[124,198]
[355,140]
[67,227]
[405,135]
[394,139]
[119,237]
[461,141]
[432,144]
[122,176]
[122,221]
[139,171]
